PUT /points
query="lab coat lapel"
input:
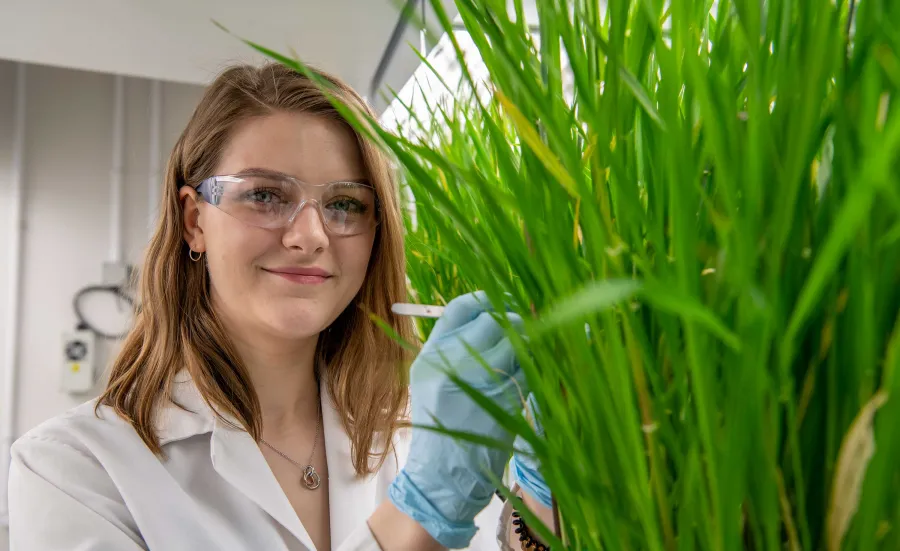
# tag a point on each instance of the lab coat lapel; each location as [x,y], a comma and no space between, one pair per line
[187,416]
[352,499]
[237,458]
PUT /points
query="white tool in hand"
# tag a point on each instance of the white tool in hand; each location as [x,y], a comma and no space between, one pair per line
[417,310]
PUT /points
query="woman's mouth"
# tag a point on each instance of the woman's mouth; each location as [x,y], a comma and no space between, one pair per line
[304,276]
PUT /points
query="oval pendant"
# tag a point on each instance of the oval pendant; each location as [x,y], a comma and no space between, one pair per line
[311,477]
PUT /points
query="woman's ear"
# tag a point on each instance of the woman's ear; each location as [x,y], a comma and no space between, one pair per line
[190,211]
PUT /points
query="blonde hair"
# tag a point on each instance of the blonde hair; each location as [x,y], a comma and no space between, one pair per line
[175,327]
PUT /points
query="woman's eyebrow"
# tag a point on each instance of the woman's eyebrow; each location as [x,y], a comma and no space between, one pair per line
[265,172]
[269,173]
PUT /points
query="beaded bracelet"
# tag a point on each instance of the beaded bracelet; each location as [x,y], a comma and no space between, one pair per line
[525,538]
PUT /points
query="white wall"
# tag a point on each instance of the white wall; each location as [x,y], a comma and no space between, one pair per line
[6,99]
[68,152]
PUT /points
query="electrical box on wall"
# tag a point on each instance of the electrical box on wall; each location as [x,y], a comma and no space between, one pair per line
[79,351]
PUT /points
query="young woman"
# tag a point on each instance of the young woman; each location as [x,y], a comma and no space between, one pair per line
[253,404]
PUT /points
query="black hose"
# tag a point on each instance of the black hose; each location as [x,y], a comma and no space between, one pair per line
[116,290]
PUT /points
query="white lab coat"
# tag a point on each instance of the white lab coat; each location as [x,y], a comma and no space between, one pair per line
[88,483]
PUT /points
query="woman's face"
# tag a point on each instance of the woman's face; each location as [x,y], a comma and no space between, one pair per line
[254,279]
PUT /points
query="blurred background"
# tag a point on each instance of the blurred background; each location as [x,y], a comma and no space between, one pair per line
[93,95]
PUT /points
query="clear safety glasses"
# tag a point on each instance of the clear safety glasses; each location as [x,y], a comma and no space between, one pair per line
[270,200]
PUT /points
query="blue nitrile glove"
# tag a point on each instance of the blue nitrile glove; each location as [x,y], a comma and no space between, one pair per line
[444,483]
[525,467]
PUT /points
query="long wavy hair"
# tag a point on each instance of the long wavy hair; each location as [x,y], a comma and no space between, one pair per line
[175,326]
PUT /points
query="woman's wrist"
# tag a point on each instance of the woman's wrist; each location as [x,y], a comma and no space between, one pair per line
[446,514]
[545,514]
[394,530]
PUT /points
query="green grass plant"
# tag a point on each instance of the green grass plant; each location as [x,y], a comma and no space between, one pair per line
[696,206]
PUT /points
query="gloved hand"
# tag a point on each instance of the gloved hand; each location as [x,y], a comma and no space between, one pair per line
[444,482]
[524,466]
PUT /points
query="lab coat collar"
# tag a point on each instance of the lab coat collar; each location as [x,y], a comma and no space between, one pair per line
[191,416]
[239,460]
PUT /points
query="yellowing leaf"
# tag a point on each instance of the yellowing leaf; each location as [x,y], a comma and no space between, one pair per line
[533,140]
[856,451]
[576,230]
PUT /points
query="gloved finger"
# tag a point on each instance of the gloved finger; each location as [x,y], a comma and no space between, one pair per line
[502,371]
[460,311]
[484,332]
[464,309]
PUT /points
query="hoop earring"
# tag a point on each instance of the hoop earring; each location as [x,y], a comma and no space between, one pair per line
[191,255]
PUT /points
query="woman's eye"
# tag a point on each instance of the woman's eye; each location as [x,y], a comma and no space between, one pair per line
[347,205]
[263,196]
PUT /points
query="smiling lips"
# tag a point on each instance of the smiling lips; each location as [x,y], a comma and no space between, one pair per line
[303,276]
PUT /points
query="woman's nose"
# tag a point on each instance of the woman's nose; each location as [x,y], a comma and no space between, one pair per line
[307,229]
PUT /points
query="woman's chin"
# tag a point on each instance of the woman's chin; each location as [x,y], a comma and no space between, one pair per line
[297,327]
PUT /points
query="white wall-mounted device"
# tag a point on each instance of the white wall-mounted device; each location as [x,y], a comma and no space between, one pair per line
[79,350]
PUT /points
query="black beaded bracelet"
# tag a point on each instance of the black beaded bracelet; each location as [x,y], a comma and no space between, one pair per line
[525,538]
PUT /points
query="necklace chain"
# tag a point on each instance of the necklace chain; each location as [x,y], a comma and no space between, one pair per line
[310,476]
